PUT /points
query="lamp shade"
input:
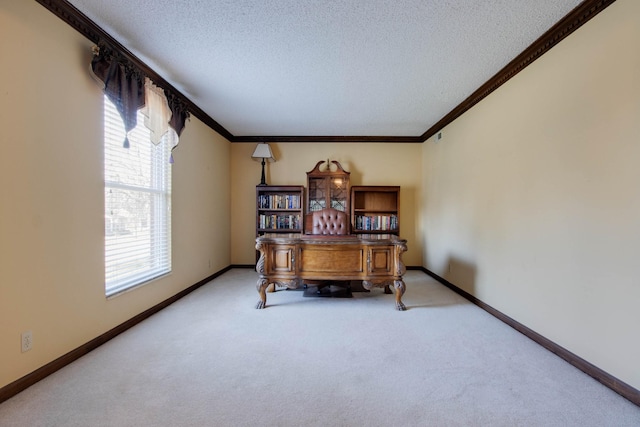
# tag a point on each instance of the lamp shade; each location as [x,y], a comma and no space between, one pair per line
[263,151]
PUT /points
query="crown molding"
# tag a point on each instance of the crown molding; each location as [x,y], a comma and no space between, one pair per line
[567,25]
[328,138]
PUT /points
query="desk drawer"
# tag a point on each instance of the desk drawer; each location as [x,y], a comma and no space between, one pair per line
[327,261]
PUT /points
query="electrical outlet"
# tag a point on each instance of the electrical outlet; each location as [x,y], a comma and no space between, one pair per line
[27,341]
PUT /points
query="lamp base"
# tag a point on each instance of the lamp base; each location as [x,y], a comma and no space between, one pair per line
[263,181]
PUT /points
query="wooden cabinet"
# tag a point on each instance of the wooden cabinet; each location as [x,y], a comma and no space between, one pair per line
[375,209]
[327,188]
[279,209]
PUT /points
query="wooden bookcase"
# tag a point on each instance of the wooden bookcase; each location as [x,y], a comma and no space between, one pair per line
[375,209]
[279,209]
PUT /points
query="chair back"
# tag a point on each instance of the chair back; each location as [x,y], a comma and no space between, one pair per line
[327,221]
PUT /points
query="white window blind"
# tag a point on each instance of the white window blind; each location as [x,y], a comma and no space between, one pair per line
[137,204]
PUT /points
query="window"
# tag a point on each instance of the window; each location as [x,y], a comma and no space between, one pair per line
[137,204]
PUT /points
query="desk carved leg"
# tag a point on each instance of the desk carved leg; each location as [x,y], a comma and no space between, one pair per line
[398,284]
[400,288]
[262,290]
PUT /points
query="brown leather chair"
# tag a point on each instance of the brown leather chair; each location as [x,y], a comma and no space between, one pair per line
[328,221]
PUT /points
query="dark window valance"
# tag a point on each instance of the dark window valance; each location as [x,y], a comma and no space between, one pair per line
[124,86]
[179,111]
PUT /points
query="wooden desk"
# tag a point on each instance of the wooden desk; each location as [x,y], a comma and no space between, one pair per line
[288,260]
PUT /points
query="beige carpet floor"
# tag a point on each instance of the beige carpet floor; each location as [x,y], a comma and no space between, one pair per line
[211,359]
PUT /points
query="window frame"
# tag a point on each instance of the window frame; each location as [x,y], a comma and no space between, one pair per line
[141,226]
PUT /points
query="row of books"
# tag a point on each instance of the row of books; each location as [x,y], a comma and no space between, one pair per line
[279,222]
[279,201]
[376,222]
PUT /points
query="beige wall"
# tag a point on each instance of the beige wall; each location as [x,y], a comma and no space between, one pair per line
[52,197]
[368,163]
[533,196]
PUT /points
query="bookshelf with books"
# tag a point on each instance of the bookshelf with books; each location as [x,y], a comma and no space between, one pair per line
[279,209]
[375,209]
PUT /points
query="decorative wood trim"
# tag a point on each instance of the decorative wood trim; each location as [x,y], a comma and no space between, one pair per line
[28,380]
[251,266]
[77,20]
[328,138]
[567,25]
[623,389]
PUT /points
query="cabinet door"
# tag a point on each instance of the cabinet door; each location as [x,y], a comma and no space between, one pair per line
[280,260]
[318,193]
[380,260]
[339,193]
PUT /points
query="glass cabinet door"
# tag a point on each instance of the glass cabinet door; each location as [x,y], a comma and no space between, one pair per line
[317,194]
[338,194]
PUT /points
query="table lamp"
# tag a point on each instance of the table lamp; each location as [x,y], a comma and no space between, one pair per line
[263,151]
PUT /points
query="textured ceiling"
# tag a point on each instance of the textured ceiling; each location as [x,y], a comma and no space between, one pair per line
[330,68]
